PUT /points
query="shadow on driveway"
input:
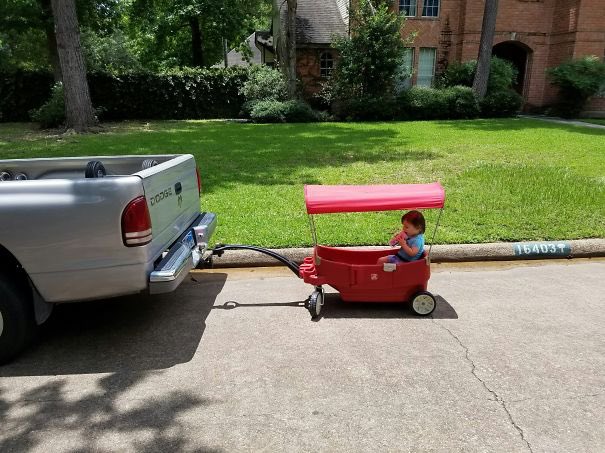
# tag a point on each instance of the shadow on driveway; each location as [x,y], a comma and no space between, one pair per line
[50,417]
[126,334]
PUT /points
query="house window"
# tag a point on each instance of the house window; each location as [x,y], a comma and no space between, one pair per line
[407,65]
[426,66]
[408,7]
[430,8]
[326,64]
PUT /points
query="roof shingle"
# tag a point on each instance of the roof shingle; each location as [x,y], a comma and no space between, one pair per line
[317,21]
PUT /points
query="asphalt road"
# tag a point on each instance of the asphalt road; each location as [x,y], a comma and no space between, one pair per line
[513,360]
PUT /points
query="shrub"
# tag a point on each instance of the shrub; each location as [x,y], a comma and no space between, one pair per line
[501,103]
[432,103]
[462,102]
[502,75]
[300,112]
[366,108]
[577,81]
[423,103]
[52,112]
[282,112]
[268,112]
[264,84]
[457,74]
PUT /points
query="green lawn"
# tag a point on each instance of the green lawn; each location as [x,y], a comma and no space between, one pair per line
[600,121]
[506,180]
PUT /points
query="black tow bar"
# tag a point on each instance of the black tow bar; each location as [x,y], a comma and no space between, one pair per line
[220,249]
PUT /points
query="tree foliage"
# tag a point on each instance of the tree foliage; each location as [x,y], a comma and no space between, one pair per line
[22,40]
[122,35]
[502,75]
[25,23]
[371,58]
[163,30]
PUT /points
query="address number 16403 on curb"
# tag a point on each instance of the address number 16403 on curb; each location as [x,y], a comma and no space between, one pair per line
[542,248]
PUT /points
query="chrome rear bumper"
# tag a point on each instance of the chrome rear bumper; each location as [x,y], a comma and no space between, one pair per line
[181,257]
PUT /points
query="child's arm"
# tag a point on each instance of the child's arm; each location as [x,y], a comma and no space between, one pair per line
[410,251]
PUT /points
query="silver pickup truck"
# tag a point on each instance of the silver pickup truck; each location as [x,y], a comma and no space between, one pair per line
[76,229]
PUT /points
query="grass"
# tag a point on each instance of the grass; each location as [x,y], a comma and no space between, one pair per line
[506,180]
[600,121]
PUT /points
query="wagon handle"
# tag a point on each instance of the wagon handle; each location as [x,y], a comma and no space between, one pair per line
[220,248]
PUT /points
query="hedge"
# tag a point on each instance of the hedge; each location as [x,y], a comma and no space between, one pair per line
[420,103]
[191,94]
[21,92]
[283,112]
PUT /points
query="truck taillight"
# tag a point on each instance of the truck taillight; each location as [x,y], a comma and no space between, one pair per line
[199,181]
[136,223]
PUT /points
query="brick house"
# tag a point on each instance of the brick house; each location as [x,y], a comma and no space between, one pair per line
[532,34]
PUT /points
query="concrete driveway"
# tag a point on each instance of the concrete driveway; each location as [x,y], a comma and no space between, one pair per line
[513,360]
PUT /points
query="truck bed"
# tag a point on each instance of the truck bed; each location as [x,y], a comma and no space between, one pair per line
[65,229]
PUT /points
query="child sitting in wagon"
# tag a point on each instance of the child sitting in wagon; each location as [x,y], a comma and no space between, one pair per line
[410,238]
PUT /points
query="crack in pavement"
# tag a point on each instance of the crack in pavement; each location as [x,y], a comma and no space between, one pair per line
[570,397]
[497,397]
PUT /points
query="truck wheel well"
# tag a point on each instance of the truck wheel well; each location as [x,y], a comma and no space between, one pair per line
[10,265]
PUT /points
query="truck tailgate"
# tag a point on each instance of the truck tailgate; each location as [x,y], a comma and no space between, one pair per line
[171,190]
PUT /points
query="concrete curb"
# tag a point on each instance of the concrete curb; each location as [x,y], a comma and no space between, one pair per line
[499,251]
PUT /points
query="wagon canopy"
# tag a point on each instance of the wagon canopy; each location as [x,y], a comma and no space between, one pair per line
[387,197]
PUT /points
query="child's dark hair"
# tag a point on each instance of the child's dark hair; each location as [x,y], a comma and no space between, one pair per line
[415,218]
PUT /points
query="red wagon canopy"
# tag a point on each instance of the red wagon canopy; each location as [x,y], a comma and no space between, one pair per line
[386,197]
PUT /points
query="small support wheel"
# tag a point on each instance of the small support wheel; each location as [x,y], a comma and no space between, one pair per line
[148,163]
[95,169]
[424,303]
[316,301]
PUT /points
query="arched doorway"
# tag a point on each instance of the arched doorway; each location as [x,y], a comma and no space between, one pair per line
[519,55]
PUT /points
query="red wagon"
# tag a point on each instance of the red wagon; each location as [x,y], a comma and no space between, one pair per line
[354,272]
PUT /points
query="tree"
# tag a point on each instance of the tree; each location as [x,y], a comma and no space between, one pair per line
[79,113]
[290,57]
[172,33]
[51,39]
[27,35]
[371,58]
[27,30]
[485,48]
[284,38]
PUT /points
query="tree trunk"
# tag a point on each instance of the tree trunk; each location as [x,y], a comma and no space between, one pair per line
[79,113]
[485,48]
[51,39]
[225,52]
[291,48]
[196,42]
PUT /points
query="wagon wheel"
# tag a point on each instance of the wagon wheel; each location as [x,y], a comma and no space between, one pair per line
[316,300]
[424,303]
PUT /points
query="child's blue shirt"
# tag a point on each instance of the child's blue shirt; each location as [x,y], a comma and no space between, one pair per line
[414,241]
